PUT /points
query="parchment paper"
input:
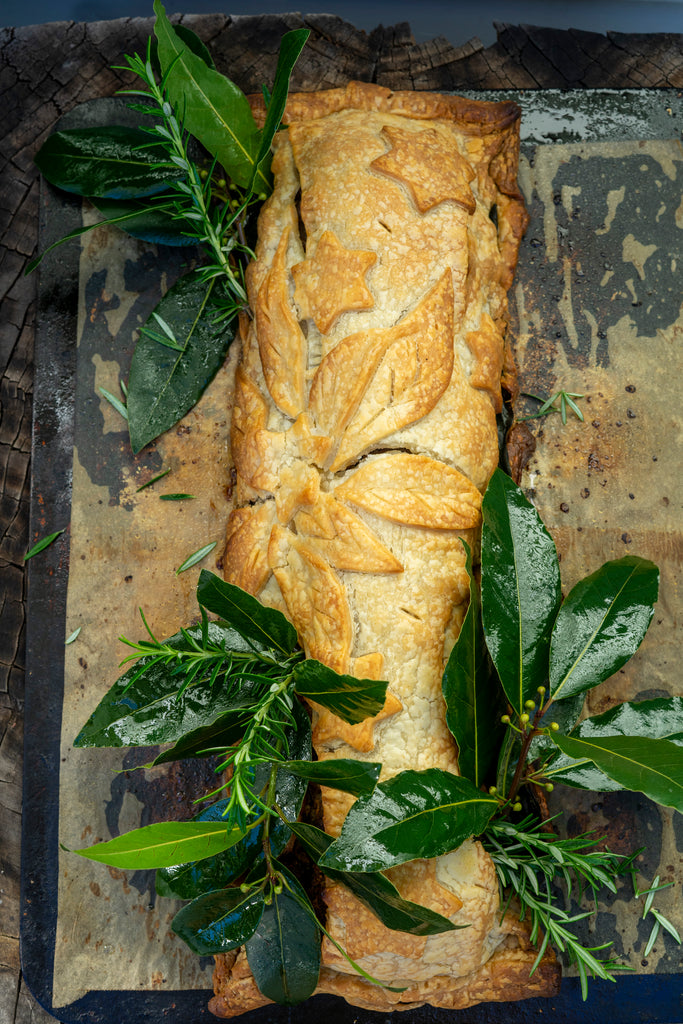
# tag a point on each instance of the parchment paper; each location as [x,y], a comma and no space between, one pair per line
[113,933]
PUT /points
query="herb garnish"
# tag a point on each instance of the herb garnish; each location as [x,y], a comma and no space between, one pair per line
[566,400]
[232,686]
[43,543]
[192,173]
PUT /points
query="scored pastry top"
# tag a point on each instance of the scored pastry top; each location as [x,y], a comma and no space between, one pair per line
[371,371]
[363,435]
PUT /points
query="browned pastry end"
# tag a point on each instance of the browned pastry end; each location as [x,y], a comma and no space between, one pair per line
[363,436]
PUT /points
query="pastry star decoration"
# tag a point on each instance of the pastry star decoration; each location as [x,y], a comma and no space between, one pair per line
[360,737]
[332,282]
[429,165]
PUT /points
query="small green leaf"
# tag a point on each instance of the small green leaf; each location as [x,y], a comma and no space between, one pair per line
[375,890]
[472,693]
[73,636]
[347,697]
[413,815]
[601,624]
[115,402]
[154,479]
[196,557]
[175,497]
[219,921]
[290,48]
[213,109]
[151,220]
[111,162]
[163,844]
[284,952]
[165,383]
[346,774]
[42,544]
[194,43]
[638,763]
[246,614]
[520,589]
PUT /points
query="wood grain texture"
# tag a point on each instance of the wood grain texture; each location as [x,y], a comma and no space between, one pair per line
[46,71]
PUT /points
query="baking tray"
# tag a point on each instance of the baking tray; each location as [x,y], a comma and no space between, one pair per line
[575,230]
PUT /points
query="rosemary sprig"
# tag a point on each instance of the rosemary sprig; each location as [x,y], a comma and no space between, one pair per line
[213,211]
[529,862]
[566,400]
[198,659]
[660,920]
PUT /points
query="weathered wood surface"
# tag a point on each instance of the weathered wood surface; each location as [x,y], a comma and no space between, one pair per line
[47,70]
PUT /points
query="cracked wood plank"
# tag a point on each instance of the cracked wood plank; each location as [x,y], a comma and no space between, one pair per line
[45,71]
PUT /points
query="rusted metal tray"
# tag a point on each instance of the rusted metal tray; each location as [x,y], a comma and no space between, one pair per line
[596,310]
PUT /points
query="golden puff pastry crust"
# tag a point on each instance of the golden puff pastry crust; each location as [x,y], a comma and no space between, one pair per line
[363,436]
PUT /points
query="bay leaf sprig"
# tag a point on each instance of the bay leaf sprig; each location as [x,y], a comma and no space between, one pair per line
[192,172]
[548,653]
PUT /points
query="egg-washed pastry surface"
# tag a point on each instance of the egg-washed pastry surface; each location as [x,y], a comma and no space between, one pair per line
[363,436]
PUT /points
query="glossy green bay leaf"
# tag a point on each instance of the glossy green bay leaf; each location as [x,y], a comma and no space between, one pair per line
[211,107]
[267,627]
[520,589]
[223,728]
[347,697]
[346,774]
[163,844]
[601,624]
[290,47]
[219,921]
[659,718]
[376,891]
[152,709]
[194,43]
[150,220]
[472,693]
[638,763]
[112,162]
[164,383]
[415,814]
[284,952]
